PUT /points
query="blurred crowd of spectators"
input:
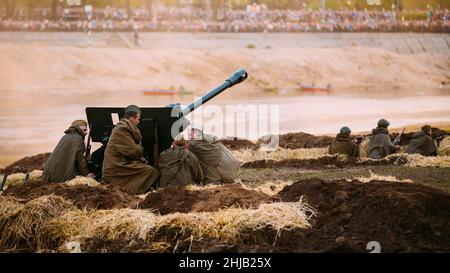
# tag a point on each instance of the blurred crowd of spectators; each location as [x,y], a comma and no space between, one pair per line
[260,20]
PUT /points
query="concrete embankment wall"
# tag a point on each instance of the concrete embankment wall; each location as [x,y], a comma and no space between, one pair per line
[402,43]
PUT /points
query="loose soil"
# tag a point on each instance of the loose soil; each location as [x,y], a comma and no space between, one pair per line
[239,144]
[179,199]
[83,196]
[301,140]
[323,162]
[402,217]
[27,164]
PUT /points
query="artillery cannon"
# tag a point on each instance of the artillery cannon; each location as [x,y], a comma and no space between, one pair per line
[158,125]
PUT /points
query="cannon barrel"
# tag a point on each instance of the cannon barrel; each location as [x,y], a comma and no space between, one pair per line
[238,77]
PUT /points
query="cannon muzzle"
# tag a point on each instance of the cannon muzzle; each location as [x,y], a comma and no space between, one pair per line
[238,77]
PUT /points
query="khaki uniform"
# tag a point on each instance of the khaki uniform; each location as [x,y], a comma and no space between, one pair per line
[343,144]
[179,167]
[217,162]
[380,144]
[67,159]
[422,143]
[122,164]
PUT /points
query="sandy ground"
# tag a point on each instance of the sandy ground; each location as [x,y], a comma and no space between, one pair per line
[44,68]
[44,87]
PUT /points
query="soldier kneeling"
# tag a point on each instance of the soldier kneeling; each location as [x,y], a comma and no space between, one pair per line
[380,144]
[178,166]
[67,159]
[343,144]
[217,162]
[422,143]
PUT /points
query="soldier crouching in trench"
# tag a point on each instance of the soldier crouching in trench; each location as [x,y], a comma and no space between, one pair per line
[422,143]
[217,162]
[124,164]
[179,166]
[380,144]
[67,159]
[343,144]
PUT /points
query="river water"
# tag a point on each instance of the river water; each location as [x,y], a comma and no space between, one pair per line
[33,121]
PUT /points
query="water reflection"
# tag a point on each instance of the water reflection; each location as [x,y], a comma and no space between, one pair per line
[32,121]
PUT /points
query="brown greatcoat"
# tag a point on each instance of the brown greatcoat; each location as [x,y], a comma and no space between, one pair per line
[122,164]
[380,144]
[67,160]
[343,144]
[217,162]
[422,143]
[179,167]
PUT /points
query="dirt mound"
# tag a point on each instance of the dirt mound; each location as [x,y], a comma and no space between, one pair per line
[301,140]
[324,162]
[179,199]
[239,144]
[304,140]
[27,164]
[318,163]
[403,217]
[83,196]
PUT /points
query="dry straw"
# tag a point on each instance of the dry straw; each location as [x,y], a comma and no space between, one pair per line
[270,188]
[26,226]
[374,176]
[280,154]
[47,222]
[9,205]
[444,147]
[18,178]
[231,225]
[363,147]
[273,187]
[193,187]
[36,175]
[109,224]
[267,187]
[81,180]
[417,160]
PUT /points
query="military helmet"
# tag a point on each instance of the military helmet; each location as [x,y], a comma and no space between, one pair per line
[345,130]
[383,123]
[78,123]
[426,128]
